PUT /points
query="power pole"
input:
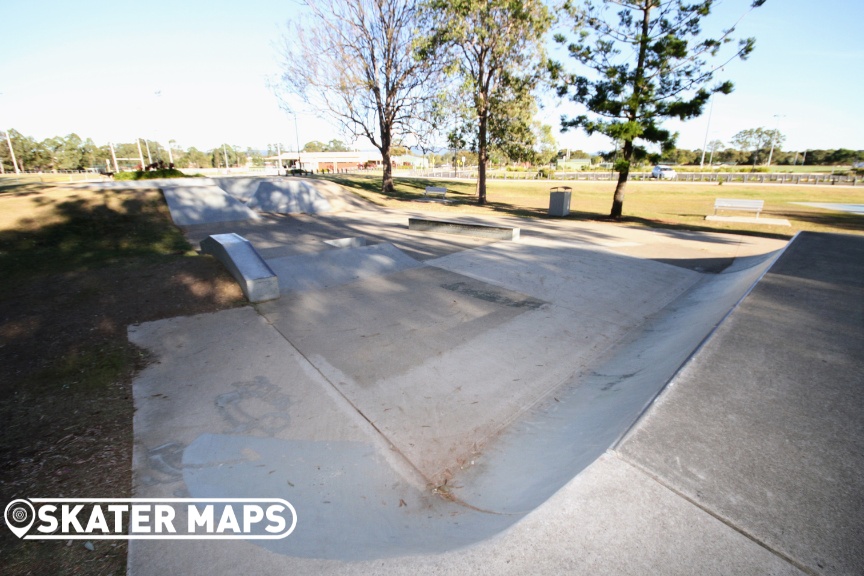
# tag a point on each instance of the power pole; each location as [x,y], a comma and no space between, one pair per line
[707,128]
[114,157]
[12,152]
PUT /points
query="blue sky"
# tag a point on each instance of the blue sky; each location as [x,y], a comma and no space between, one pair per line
[94,67]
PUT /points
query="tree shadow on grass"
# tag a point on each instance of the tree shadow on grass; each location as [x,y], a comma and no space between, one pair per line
[68,291]
[829,219]
[87,233]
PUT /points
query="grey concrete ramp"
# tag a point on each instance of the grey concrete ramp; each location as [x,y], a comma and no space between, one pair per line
[502,375]
[441,360]
[203,204]
[241,187]
[598,403]
[763,428]
[288,197]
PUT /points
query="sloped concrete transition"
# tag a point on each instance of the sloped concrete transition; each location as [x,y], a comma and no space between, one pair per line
[409,406]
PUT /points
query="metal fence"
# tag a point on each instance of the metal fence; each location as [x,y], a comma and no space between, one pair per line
[744,177]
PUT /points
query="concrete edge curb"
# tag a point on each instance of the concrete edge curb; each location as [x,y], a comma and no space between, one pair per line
[464,229]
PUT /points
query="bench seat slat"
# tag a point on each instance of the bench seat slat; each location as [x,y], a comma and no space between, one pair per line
[736,204]
[435,190]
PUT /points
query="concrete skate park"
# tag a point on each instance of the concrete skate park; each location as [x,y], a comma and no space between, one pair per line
[579,398]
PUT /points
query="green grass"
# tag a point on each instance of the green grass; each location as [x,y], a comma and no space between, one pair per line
[676,205]
[58,232]
[151,174]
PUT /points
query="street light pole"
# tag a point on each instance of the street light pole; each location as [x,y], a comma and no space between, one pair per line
[140,155]
[297,140]
[707,128]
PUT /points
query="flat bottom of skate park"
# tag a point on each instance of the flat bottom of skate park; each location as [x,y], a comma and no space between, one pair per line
[579,397]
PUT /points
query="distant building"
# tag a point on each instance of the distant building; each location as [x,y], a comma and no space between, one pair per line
[409,160]
[333,161]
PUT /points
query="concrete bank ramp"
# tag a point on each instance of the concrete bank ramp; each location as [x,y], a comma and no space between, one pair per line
[194,201]
[200,203]
[288,197]
[563,434]
[491,377]
[289,194]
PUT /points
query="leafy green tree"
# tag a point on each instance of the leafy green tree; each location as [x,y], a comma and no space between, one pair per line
[649,62]
[843,157]
[756,142]
[26,151]
[713,147]
[356,61]
[255,157]
[314,146]
[194,158]
[336,146]
[497,50]
[547,147]
[680,156]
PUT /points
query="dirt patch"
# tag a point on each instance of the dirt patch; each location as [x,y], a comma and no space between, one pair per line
[65,387]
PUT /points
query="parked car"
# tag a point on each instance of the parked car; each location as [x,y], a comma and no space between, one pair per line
[664,173]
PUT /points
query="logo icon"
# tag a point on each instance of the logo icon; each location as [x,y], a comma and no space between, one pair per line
[19,516]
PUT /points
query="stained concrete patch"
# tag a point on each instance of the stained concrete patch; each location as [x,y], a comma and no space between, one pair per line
[329,267]
[617,289]
[191,204]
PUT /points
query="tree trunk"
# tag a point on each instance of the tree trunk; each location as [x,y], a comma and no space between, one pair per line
[638,88]
[481,160]
[623,175]
[387,181]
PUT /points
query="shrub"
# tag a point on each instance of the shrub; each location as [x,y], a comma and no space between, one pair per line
[545,172]
[149,174]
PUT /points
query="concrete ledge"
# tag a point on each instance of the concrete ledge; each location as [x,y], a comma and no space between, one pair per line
[256,279]
[479,230]
[357,242]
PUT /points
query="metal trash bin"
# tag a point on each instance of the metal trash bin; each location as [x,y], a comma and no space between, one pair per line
[559,201]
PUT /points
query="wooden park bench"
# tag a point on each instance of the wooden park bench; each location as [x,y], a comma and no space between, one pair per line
[740,205]
[435,190]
